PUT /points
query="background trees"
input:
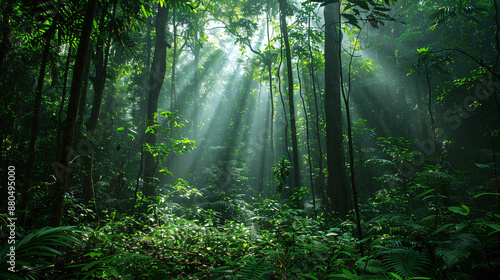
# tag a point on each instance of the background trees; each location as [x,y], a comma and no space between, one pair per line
[249,127]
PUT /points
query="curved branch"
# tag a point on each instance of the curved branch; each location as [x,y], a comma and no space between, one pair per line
[479,62]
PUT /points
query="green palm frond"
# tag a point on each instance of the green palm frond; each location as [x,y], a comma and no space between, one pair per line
[34,250]
[372,266]
[436,175]
[444,13]
[461,247]
[458,275]
[407,263]
[253,268]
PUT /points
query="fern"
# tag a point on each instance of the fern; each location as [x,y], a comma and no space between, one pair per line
[436,176]
[459,248]
[441,15]
[372,266]
[35,251]
[253,268]
[458,275]
[407,263]
[248,267]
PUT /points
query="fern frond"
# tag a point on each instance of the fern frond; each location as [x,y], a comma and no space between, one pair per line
[458,275]
[486,166]
[380,161]
[454,256]
[372,266]
[461,247]
[251,268]
[35,248]
[434,175]
[407,263]
[444,13]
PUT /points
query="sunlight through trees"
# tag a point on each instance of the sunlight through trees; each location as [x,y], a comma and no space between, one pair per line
[250,139]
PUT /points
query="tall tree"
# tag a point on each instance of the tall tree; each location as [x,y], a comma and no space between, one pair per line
[284,9]
[337,190]
[36,115]
[156,78]
[99,82]
[6,33]
[62,167]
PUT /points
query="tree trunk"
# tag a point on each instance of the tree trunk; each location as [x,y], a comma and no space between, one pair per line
[291,103]
[174,65]
[337,191]
[99,82]
[271,100]
[5,40]
[196,87]
[63,95]
[62,168]
[34,123]
[309,154]
[321,176]
[156,78]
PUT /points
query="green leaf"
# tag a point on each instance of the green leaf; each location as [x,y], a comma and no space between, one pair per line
[396,276]
[441,228]
[351,20]
[496,227]
[120,128]
[144,11]
[310,275]
[463,210]
[424,193]
[481,194]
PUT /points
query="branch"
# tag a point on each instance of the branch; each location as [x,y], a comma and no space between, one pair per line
[479,62]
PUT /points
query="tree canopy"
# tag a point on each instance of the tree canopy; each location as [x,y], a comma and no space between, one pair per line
[249,139]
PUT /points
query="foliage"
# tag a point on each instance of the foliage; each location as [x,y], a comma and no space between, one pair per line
[34,252]
[281,171]
[429,203]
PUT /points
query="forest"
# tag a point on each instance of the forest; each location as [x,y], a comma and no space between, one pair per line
[250,139]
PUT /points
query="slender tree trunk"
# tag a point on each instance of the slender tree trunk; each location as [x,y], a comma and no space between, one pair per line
[174,65]
[99,82]
[338,194]
[62,168]
[5,40]
[282,99]
[309,155]
[321,176]
[156,78]
[34,123]
[196,87]
[497,37]
[85,87]
[291,103]
[264,127]
[63,95]
[271,100]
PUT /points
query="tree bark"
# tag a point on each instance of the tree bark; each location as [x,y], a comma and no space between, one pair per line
[62,167]
[174,65]
[196,86]
[271,100]
[34,123]
[156,78]
[99,82]
[5,39]
[321,174]
[291,103]
[337,191]
[309,154]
